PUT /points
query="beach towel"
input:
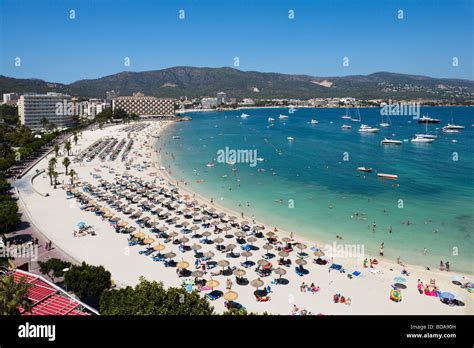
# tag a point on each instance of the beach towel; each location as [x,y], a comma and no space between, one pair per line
[356,273]
[374,270]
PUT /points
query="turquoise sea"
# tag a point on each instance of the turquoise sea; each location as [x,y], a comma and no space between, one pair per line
[431,205]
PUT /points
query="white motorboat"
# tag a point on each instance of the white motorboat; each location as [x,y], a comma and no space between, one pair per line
[283,117]
[387,141]
[176,137]
[313,121]
[450,130]
[453,126]
[422,140]
[364,169]
[244,115]
[271,119]
[290,138]
[210,164]
[368,129]
[427,119]
[345,126]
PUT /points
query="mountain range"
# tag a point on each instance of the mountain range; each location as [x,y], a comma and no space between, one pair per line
[199,82]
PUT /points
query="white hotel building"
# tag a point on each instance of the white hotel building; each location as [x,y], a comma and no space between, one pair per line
[33,108]
[144,106]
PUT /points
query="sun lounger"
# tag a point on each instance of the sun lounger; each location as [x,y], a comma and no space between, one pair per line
[214,295]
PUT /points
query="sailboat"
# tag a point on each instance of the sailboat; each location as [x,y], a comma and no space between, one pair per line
[356,119]
[385,124]
[424,136]
[452,126]
[347,116]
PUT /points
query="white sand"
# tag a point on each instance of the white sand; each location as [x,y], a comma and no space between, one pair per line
[57,218]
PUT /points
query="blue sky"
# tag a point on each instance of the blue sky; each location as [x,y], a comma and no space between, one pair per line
[55,48]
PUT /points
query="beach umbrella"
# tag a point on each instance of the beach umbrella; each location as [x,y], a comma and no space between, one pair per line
[211,210]
[280,271]
[218,240]
[251,240]
[301,262]
[163,228]
[245,222]
[400,279]
[182,264]
[223,264]
[283,254]
[115,219]
[212,283]
[158,247]
[256,283]
[208,255]
[185,223]
[206,234]
[232,218]
[231,246]
[230,296]
[262,263]
[270,234]
[197,274]
[139,235]
[183,240]
[239,234]
[318,253]
[122,223]
[301,246]
[173,234]
[196,247]
[246,254]
[148,241]
[239,272]
[286,239]
[170,255]
[131,229]
[194,228]
[268,247]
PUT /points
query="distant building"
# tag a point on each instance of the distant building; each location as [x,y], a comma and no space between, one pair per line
[10,98]
[94,107]
[208,103]
[55,108]
[221,98]
[143,106]
[248,101]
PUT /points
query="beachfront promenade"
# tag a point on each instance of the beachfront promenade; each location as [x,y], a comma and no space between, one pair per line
[108,193]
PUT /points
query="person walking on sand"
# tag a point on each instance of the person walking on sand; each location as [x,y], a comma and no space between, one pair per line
[381,250]
[447,266]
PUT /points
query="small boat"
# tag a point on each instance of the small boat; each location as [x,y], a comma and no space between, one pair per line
[367,129]
[386,123]
[345,126]
[313,121]
[210,164]
[271,119]
[244,115]
[426,119]
[283,117]
[450,130]
[364,169]
[176,137]
[387,141]
[347,116]
[422,140]
[388,176]
[290,138]
[426,136]
[453,126]
[260,159]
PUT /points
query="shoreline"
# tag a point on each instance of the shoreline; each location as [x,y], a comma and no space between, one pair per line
[388,262]
[56,217]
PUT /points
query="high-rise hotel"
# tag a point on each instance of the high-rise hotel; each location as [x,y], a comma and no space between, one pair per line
[144,106]
[38,111]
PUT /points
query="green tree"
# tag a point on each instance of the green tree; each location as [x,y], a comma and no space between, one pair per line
[56,150]
[50,173]
[52,162]
[9,217]
[67,146]
[53,268]
[55,177]
[44,122]
[66,163]
[87,280]
[4,184]
[150,298]
[72,173]
[13,295]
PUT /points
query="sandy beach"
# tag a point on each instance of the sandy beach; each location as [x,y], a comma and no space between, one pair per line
[57,217]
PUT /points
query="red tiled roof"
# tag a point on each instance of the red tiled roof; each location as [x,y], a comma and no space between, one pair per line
[48,299]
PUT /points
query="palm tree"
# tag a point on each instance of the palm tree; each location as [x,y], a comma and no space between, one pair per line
[66,163]
[72,173]
[55,176]
[13,296]
[56,150]
[67,146]
[53,161]
[50,173]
